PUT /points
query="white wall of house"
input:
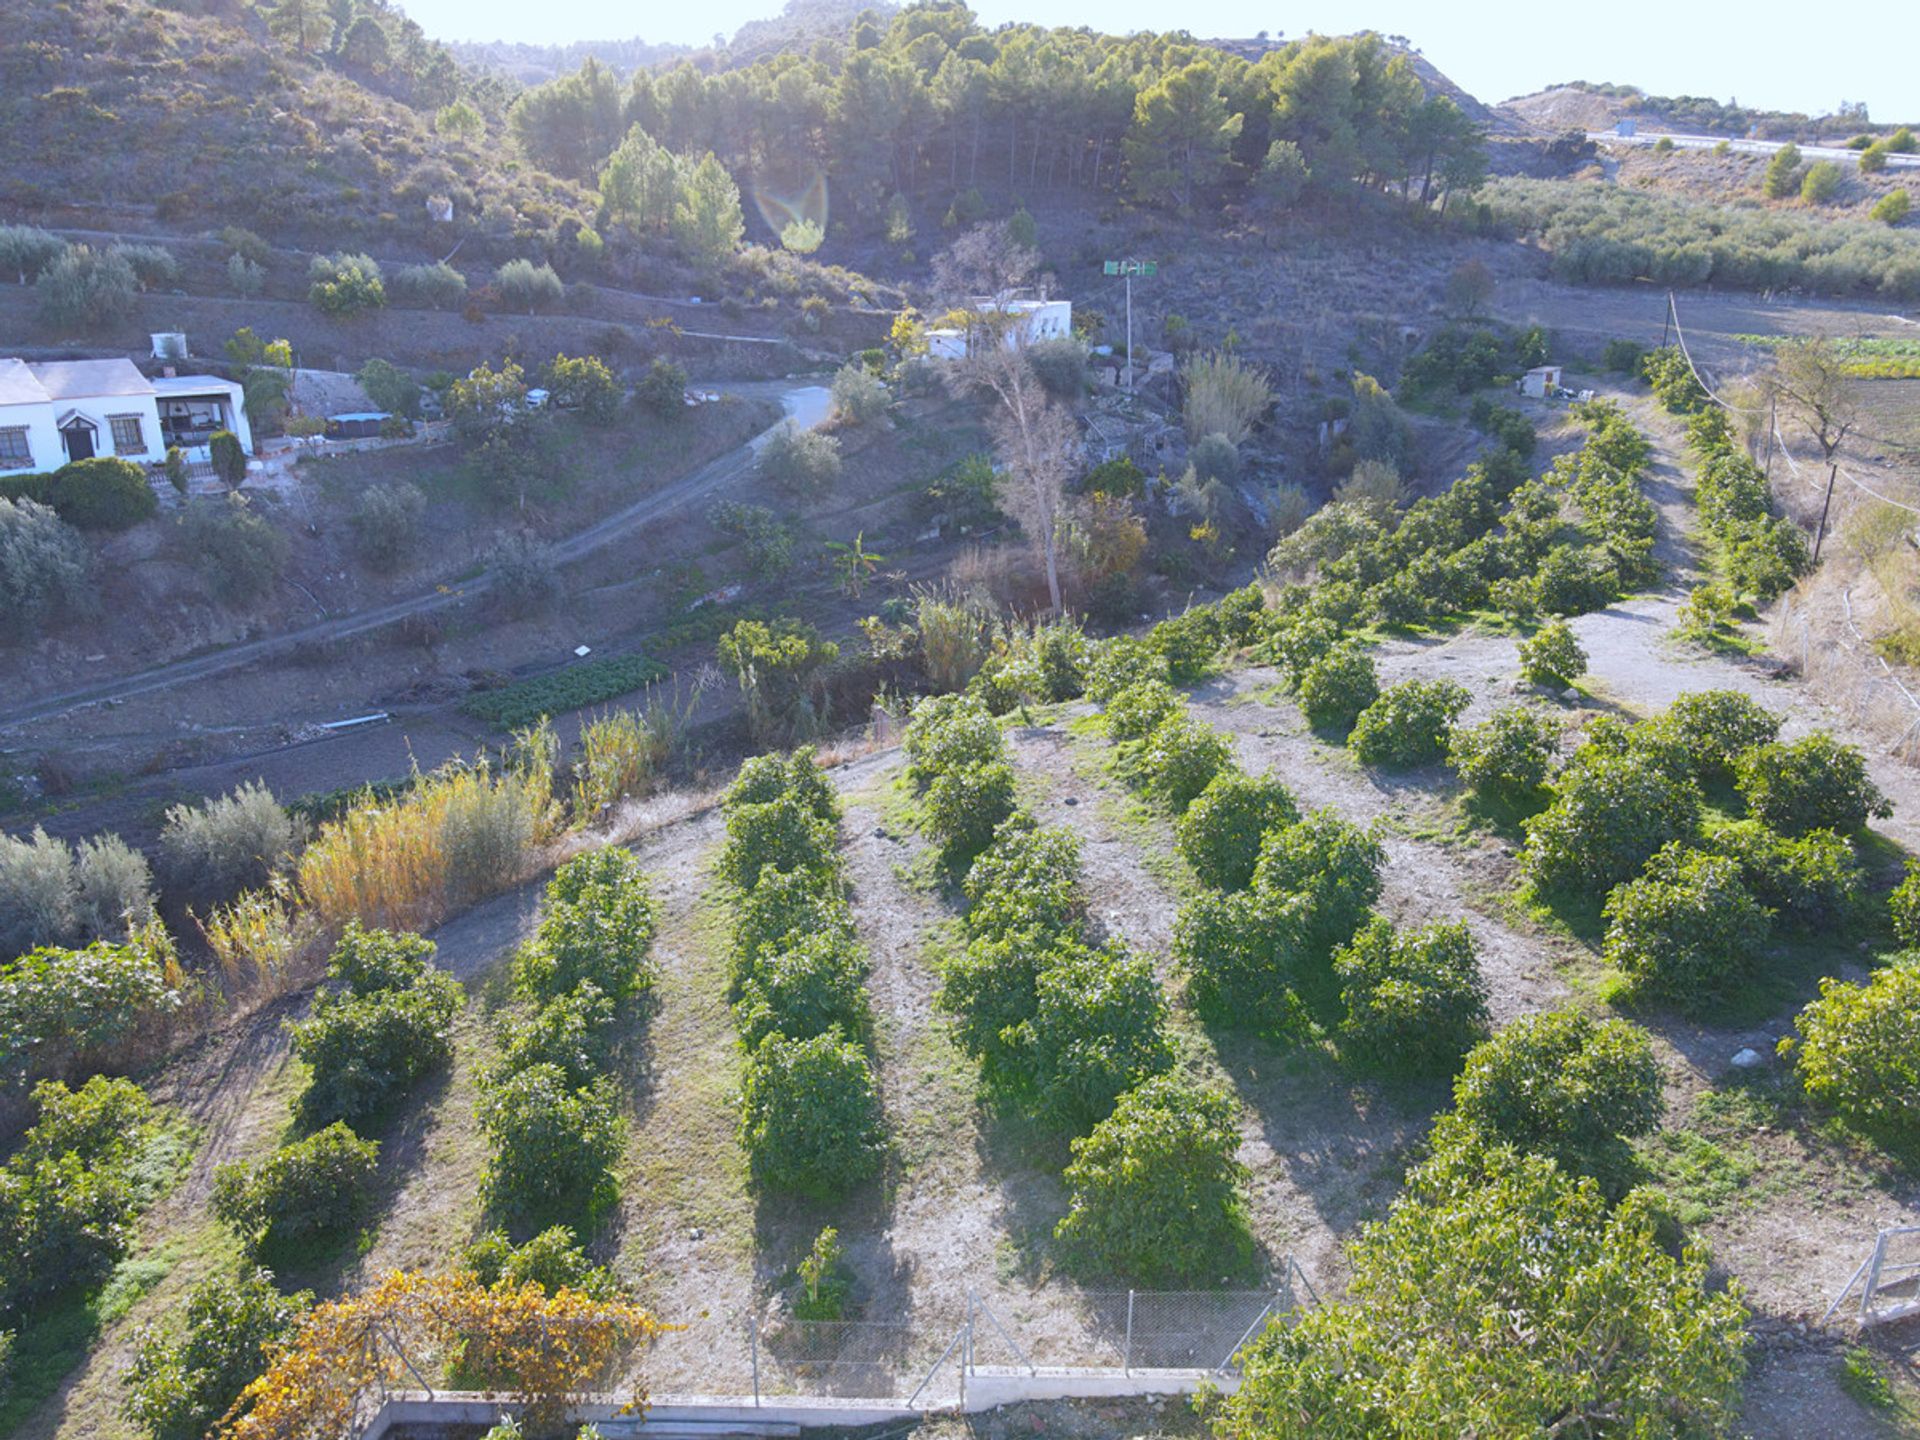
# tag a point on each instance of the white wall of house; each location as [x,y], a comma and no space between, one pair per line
[138,439]
[42,439]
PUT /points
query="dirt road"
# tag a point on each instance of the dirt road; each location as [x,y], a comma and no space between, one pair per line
[805,404]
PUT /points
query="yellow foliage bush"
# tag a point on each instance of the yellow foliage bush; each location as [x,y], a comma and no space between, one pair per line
[544,1352]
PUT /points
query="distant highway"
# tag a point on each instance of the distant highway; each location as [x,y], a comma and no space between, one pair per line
[1750,147]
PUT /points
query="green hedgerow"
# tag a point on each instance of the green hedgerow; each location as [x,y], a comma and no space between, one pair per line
[1098,1029]
[1686,929]
[1243,952]
[810,1118]
[314,1187]
[1904,903]
[816,985]
[1408,724]
[1119,663]
[1330,869]
[1029,878]
[554,1144]
[1222,830]
[965,807]
[950,732]
[1154,1192]
[1414,1000]
[598,925]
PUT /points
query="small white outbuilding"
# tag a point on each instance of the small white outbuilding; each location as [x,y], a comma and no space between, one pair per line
[1541,381]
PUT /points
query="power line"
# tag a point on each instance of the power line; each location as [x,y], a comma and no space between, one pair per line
[1673,311]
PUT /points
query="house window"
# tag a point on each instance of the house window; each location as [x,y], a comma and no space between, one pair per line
[127,439]
[15,454]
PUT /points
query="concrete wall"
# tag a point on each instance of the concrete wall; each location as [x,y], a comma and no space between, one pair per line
[987,1388]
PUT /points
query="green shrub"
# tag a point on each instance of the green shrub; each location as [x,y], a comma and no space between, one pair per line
[228,843]
[104,493]
[1809,883]
[1507,756]
[1686,929]
[1408,724]
[1782,175]
[1154,1192]
[1222,830]
[552,1260]
[153,265]
[1027,879]
[385,1024]
[553,1145]
[386,523]
[1243,952]
[1571,581]
[523,284]
[239,553]
[1855,1054]
[1414,1000]
[1892,207]
[1813,784]
[1188,644]
[964,807]
[86,289]
[783,908]
[104,1123]
[63,1226]
[793,774]
[1904,904]
[598,926]
[345,283]
[781,834]
[228,458]
[1716,727]
[1429,1328]
[1564,1086]
[1120,663]
[1137,711]
[572,1032]
[1098,1029]
[663,389]
[1180,759]
[1330,869]
[1552,657]
[947,733]
[314,1188]
[816,985]
[1610,814]
[70,1008]
[803,463]
[1335,688]
[437,286]
[184,1378]
[1821,182]
[44,567]
[810,1117]
[26,249]
[859,396]
[990,989]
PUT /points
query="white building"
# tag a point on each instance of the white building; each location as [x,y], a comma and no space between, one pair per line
[56,411]
[1540,382]
[1028,321]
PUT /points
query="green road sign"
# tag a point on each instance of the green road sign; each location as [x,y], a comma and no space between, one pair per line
[1143,268]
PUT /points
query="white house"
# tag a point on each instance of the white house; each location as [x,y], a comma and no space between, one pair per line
[60,410]
[1028,321]
[1540,382]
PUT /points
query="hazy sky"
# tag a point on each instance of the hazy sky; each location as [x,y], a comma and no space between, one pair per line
[1772,55]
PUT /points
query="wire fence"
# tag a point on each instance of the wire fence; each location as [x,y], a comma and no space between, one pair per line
[925,1356]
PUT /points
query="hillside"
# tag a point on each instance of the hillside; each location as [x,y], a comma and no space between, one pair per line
[1583,105]
[199,117]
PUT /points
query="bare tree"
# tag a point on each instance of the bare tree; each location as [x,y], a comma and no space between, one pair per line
[986,262]
[1034,437]
[1810,376]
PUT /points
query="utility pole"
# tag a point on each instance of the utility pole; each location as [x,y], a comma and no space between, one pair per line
[1666,320]
[1146,269]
